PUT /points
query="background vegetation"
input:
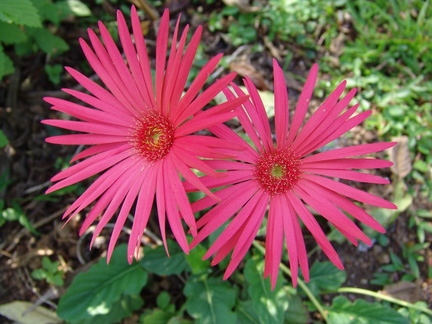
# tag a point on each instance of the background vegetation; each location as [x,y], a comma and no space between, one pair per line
[382,47]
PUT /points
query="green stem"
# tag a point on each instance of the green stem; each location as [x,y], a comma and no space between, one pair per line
[378,295]
[300,282]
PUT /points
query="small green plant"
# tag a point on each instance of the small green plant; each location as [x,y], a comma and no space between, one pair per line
[27,26]
[49,272]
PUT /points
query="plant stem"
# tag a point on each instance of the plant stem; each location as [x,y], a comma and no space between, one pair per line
[378,295]
[301,284]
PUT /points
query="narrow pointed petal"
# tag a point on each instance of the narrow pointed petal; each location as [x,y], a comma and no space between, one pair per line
[281,105]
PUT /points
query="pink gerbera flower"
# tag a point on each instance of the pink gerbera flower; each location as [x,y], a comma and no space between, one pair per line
[139,132]
[285,178]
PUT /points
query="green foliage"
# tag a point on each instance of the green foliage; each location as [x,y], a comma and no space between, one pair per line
[54,72]
[362,312]
[210,300]
[269,305]
[29,26]
[96,291]
[156,261]
[49,272]
[3,139]
[21,12]
[13,214]
[324,276]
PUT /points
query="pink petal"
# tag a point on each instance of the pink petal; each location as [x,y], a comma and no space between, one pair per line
[96,189]
[142,211]
[194,89]
[96,90]
[350,192]
[93,150]
[274,239]
[123,117]
[325,208]
[322,119]
[347,205]
[342,128]
[348,163]
[218,215]
[303,103]
[131,197]
[348,175]
[281,105]
[89,127]
[85,139]
[85,169]
[161,53]
[142,56]
[316,231]
[349,151]
[198,103]
[185,66]
[132,58]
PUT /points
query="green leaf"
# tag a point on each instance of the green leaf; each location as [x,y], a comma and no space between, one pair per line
[210,300]
[6,64]
[39,274]
[269,305]
[11,34]
[195,261]
[158,316]
[343,311]
[163,300]
[325,276]
[3,141]
[296,312]
[49,43]
[156,260]
[95,291]
[54,72]
[246,313]
[20,12]
[119,310]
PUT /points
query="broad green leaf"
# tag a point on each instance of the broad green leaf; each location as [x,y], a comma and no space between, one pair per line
[269,305]
[121,309]
[158,316]
[325,276]
[343,311]
[195,261]
[296,312]
[163,300]
[94,292]
[11,34]
[49,43]
[210,301]
[156,260]
[20,12]
[47,10]
[246,313]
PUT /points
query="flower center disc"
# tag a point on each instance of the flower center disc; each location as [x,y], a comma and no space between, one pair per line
[153,137]
[277,171]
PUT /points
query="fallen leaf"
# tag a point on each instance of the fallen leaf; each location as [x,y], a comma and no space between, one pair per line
[400,156]
[404,290]
[23,313]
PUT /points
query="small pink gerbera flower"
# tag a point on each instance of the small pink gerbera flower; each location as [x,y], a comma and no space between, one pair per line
[285,177]
[139,132]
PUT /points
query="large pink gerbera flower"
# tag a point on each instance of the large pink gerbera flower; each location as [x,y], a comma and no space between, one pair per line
[286,178]
[139,132]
